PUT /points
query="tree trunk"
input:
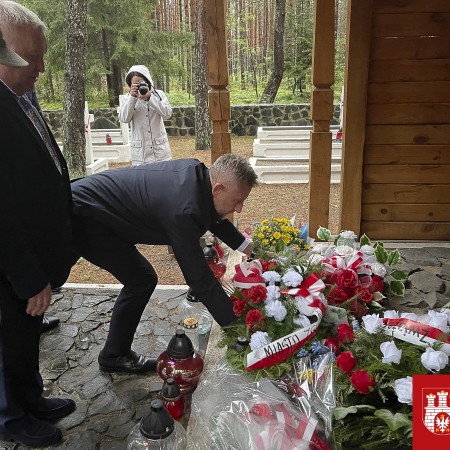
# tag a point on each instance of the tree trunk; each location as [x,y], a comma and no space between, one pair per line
[202,121]
[74,139]
[116,81]
[271,89]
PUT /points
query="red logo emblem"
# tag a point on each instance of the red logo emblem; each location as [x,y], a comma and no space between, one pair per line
[431,411]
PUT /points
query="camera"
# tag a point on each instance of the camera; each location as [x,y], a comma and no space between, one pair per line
[143,87]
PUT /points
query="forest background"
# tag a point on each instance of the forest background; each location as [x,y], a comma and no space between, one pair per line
[92,44]
[162,35]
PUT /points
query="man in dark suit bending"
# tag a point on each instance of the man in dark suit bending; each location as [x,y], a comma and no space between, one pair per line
[166,203]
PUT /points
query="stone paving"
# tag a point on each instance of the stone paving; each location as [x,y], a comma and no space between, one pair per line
[108,405]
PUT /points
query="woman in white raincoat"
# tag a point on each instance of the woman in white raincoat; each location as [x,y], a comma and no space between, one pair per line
[146,112]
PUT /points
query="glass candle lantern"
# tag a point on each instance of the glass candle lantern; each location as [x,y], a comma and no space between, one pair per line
[217,266]
[181,362]
[157,431]
[172,398]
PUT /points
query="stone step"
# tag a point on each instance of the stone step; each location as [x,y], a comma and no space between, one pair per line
[288,173]
[294,148]
[291,131]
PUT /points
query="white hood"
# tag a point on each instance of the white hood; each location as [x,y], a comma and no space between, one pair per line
[141,70]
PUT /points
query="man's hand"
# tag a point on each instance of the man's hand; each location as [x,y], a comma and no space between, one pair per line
[38,304]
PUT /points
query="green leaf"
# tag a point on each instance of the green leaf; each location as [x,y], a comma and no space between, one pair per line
[375,305]
[393,421]
[340,412]
[364,240]
[381,254]
[398,275]
[394,258]
[397,288]
[323,233]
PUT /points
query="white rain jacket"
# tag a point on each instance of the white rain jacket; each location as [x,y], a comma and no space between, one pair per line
[149,142]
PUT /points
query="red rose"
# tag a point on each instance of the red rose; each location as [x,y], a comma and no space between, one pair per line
[268,265]
[364,294]
[256,294]
[332,343]
[239,306]
[345,278]
[345,333]
[376,284]
[346,362]
[254,320]
[337,296]
[362,381]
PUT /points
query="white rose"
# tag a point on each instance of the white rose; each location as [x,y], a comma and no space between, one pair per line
[446,311]
[367,250]
[378,269]
[320,248]
[348,234]
[391,314]
[344,250]
[314,259]
[438,320]
[403,389]
[434,360]
[391,354]
[372,322]
[410,316]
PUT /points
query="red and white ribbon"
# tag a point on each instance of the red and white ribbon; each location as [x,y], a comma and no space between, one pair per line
[248,275]
[416,333]
[335,262]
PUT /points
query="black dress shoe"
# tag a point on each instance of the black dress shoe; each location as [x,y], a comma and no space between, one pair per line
[48,323]
[53,409]
[130,363]
[32,432]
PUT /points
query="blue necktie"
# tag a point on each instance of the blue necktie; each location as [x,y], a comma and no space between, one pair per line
[40,126]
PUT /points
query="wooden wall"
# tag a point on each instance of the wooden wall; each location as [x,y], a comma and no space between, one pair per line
[405,191]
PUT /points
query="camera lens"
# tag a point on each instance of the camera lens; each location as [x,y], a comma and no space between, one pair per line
[143,88]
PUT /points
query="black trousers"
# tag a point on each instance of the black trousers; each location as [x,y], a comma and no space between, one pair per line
[99,245]
[20,382]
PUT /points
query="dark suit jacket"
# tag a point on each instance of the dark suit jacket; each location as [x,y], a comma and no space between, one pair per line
[35,205]
[167,202]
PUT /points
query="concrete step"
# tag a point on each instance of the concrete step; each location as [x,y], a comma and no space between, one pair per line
[290,131]
[293,148]
[293,172]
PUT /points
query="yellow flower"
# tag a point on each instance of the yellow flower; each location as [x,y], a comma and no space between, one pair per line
[260,235]
[277,235]
[265,241]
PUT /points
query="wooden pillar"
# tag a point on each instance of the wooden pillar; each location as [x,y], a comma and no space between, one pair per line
[219,96]
[321,115]
[359,20]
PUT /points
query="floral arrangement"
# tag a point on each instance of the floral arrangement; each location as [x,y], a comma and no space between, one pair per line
[279,305]
[358,274]
[282,301]
[277,234]
[373,380]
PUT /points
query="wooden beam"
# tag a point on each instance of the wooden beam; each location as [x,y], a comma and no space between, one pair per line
[321,115]
[359,15]
[219,96]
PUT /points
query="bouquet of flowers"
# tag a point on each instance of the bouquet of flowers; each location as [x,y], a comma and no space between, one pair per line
[277,234]
[279,305]
[357,274]
[373,381]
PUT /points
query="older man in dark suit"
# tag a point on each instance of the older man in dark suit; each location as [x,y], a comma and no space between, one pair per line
[35,235]
[165,203]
